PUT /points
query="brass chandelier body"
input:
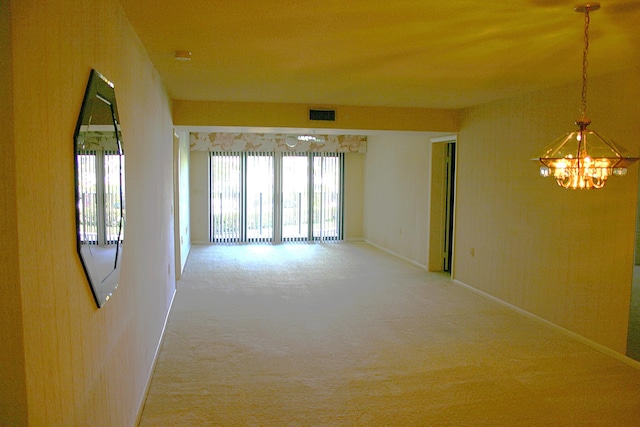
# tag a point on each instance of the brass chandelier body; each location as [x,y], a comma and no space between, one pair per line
[584,159]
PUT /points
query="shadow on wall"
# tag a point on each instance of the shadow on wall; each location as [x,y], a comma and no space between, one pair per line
[633,340]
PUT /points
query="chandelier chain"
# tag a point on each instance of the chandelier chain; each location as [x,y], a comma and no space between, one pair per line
[585,62]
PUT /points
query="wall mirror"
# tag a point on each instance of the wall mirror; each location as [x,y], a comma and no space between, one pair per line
[100,193]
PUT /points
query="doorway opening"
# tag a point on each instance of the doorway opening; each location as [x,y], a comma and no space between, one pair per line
[450,193]
[443,160]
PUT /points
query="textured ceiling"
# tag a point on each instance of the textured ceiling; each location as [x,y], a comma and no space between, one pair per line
[401,53]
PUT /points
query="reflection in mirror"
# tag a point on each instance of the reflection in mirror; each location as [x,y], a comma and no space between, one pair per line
[100,195]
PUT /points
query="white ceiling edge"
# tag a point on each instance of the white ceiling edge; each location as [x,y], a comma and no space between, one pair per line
[310,131]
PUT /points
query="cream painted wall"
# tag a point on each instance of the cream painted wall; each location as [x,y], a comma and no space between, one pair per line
[13,392]
[396,194]
[563,255]
[82,365]
[353,195]
[182,204]
[199,196]
[251,114]
[437,206]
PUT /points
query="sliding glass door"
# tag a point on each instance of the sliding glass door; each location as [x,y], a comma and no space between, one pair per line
[262,197]
[241,197]
[259,197]
[327,197]
[226,200]
[295,197]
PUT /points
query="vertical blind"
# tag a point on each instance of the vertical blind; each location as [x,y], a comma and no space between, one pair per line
[226,203]
[266,196]
[87,197]
[98,174]
[327,196]
[112,196]
[259,197]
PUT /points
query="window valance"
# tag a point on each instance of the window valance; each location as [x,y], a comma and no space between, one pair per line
[97,141]
[277,142]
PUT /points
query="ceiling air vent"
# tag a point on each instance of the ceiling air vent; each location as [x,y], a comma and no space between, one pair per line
[325,115]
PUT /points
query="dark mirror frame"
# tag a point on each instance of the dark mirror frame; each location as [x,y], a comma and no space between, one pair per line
[99,187]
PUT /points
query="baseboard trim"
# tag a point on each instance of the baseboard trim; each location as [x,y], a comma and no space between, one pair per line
[599,347]
[397,255]
[200,243]
[154,362]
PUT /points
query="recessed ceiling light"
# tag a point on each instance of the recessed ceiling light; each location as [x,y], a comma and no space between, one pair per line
[182,55]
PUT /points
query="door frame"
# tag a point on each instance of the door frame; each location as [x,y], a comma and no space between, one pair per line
[442,203]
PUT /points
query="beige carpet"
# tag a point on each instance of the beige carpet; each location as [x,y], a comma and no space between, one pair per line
[344,334]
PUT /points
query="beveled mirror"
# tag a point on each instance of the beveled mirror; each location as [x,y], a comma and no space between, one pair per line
[100,194]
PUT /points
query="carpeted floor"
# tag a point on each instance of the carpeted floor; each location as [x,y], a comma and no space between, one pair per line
[344,334]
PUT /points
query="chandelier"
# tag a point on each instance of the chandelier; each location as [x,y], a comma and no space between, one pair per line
[584,159]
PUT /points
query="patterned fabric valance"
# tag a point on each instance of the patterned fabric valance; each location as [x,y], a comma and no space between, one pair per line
[265,142]
[96,141]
